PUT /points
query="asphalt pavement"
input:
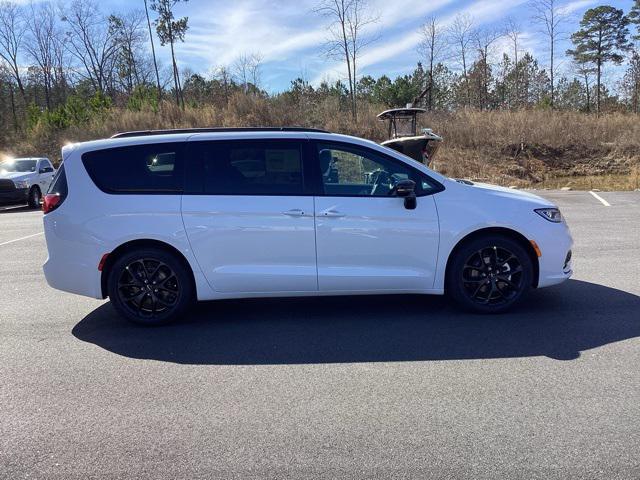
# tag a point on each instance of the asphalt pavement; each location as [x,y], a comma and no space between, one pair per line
[364,387]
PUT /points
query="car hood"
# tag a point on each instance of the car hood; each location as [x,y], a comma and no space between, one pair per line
[508,193]
[16,175]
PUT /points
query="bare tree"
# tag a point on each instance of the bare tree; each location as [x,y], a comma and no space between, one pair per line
[255,69]
[346,40]
[550,16]
[223,76]
[6,77]
[512,31]
[130,38]
[484,40]
[60,65]
[12,31]
[433,47]
[246,69]
[43,37]
[460,35]
[153,50]
[92,41]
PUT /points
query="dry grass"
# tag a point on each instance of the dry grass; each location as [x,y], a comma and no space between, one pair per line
[535,148]
[523,148]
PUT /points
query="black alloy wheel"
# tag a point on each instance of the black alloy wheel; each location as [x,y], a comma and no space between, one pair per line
[150,287]
[490,274]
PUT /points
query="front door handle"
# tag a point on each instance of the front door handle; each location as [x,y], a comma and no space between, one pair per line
[296,212]
[332,213]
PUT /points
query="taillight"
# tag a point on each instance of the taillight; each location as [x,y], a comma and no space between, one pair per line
[51,202]
[57,191]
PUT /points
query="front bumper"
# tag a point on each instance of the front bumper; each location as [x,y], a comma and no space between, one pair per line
[14,196]
[556,263]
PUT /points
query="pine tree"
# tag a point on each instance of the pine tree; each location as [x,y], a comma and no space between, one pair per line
[601,39]
[634,18]
[171,31]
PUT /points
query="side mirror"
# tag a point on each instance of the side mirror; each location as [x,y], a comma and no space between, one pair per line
[407,190]
[46,170]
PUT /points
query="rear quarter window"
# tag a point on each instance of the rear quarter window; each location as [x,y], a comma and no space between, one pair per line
[59,183]
[137,169]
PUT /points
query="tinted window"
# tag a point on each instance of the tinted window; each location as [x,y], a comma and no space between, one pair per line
[59,183]
[352,171]
[45,165]
[249,167]
[19,165]
[137,169]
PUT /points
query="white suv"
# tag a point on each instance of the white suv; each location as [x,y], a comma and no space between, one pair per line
[156,220]
[25,180]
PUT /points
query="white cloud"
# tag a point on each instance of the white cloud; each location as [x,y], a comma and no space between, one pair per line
[576,5]
[289,34]
[219,35]
[481,12]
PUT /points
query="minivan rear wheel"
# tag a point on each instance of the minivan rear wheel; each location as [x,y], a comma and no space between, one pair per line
[489,274]
[150,286]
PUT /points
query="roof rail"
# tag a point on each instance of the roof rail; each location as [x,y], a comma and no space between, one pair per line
[144,133]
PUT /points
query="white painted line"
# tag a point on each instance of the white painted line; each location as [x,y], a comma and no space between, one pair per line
[13,207]
[602,200]
[22,238]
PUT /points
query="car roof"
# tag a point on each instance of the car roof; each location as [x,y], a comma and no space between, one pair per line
[200,135]
[80,148]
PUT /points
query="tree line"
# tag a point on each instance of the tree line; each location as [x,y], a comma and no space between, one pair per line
[60,65]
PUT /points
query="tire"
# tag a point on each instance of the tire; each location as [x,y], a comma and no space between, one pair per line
[489,274]
[34,197]
[150,286]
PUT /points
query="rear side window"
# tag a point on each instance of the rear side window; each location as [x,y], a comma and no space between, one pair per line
[249,167]
[59,183]
[156,168]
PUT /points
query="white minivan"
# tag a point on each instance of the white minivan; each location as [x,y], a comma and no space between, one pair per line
[156,220]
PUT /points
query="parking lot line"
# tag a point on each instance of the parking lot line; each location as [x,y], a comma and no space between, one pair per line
[602,200]
[21,238]
[12,207]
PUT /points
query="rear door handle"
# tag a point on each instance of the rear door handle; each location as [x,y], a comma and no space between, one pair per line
[296,212]
[332,213]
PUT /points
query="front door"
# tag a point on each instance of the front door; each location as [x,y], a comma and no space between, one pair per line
[366,239]
[248,218]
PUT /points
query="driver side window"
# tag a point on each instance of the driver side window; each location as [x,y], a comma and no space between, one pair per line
[350,171]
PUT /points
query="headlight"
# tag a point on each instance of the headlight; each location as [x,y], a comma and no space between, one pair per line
[21,183]
[551,214]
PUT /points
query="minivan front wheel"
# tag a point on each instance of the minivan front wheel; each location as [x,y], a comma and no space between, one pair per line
[490,274]
[150,286]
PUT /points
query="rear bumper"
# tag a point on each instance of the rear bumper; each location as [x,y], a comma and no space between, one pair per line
[14,196]
[71,265]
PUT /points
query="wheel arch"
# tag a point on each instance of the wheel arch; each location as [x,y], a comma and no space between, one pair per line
[503,231]
[137,244]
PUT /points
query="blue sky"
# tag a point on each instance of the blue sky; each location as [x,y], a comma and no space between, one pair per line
[290,36]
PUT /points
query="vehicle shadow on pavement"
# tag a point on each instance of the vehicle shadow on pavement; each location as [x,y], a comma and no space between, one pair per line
[16,209]
[559,323]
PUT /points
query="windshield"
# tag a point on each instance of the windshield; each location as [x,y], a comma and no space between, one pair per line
[18,166]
